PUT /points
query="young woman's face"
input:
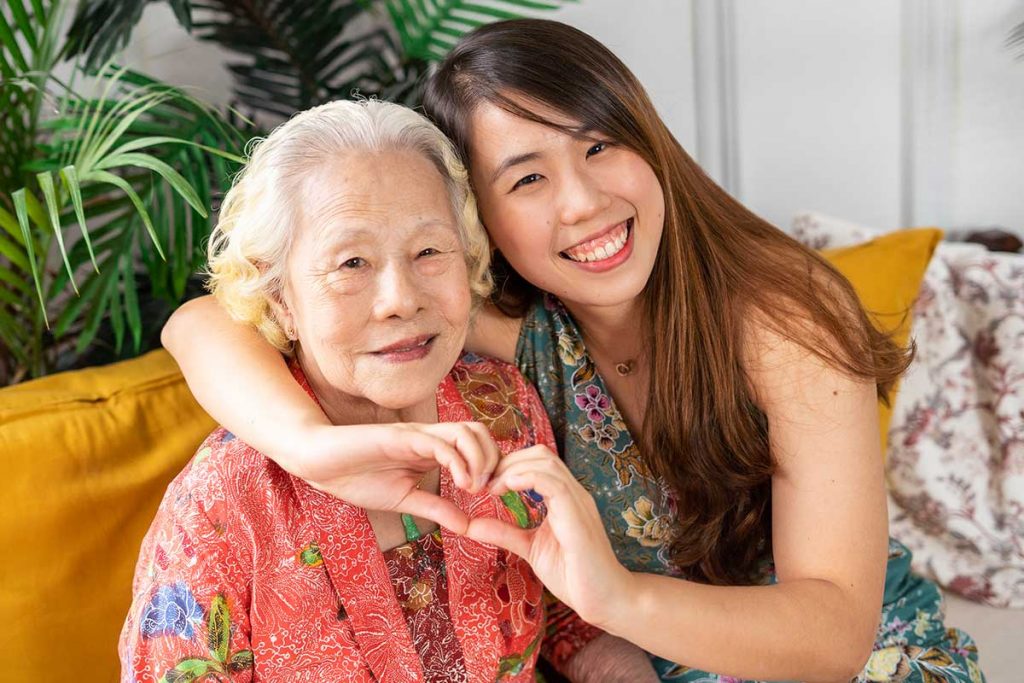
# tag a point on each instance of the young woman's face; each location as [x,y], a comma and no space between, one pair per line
[580,218]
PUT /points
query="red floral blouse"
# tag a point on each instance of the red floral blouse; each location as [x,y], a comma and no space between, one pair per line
[250,573]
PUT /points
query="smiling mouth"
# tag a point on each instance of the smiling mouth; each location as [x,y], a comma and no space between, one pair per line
[406,346]
[600,248]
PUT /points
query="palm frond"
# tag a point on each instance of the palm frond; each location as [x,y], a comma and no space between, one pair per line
[110,165]
[429,28]
[292,56]
[28,53]
[102,28]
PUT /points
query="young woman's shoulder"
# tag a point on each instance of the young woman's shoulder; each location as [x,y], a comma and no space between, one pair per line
[492,333]
[802,391]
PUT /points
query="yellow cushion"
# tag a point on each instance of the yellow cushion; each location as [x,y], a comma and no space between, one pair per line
[887,274]
[86,457]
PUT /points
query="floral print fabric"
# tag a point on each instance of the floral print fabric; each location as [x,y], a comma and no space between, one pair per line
[249,573]
[955,461]
[417,571]
[912,643]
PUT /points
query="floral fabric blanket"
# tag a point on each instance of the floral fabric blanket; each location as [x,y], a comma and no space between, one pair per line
[955,462]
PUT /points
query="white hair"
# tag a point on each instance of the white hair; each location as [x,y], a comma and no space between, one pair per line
[249,247]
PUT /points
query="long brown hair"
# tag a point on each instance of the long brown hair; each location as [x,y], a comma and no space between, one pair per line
[718,264]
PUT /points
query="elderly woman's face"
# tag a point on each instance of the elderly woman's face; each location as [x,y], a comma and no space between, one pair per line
[377,287]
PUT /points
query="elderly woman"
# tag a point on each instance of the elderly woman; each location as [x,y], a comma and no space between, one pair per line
[348,241]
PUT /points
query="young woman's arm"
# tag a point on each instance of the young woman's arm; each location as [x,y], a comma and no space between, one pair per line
[829,534]
[244,383]
[494,334]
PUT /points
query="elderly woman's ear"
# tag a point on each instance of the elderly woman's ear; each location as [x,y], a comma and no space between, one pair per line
[283,314]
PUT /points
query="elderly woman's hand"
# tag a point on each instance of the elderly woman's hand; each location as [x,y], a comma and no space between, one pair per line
[570,552]
[379,467]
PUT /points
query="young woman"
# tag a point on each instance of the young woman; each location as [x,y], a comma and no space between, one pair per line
[711,383]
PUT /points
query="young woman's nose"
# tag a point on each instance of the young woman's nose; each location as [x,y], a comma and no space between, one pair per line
[580,198]
[398,295]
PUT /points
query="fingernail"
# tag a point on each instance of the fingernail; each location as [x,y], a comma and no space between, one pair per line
[481,481]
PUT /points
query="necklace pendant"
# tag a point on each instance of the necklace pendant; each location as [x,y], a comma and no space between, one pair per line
[412,532]
[624,368]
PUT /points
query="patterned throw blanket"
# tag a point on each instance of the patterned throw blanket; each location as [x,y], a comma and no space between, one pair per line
[956,443]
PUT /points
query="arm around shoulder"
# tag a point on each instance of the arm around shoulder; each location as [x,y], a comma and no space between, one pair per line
[240,379]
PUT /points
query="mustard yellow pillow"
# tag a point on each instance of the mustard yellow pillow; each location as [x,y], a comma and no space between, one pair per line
[86,458]
[887,274]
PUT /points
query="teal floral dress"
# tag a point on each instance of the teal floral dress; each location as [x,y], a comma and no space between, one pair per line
[912,643]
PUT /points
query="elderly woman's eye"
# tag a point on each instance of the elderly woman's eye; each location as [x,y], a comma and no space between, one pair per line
[429,251]
[526,180]
[356,262]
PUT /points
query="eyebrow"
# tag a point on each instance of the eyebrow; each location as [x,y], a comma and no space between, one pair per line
[331,239]
[328,238]
[513,161]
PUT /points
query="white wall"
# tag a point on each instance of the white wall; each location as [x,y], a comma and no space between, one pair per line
[988,147]
[161,48]
[818,108]
[884,112]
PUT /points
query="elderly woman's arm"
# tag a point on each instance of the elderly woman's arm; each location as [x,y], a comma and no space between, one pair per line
[245,384]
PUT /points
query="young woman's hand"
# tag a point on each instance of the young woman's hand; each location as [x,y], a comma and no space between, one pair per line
[569,552]
[379,467]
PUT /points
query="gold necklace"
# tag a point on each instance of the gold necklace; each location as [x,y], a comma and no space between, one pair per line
[623,368]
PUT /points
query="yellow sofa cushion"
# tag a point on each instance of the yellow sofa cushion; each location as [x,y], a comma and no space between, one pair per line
[887,274]
[86,458]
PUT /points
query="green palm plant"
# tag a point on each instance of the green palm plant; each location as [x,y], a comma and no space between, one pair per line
[430,28]
[102,187]
[288,56]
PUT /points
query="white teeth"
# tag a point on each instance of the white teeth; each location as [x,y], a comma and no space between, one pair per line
[602,252]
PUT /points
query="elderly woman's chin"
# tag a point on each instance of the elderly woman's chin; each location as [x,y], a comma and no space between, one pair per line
[405,378]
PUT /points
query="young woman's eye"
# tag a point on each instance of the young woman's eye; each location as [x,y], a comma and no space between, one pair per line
[354,263]
[526,180]
[597,148]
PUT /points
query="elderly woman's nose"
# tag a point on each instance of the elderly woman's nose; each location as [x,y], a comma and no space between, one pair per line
[398,293]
